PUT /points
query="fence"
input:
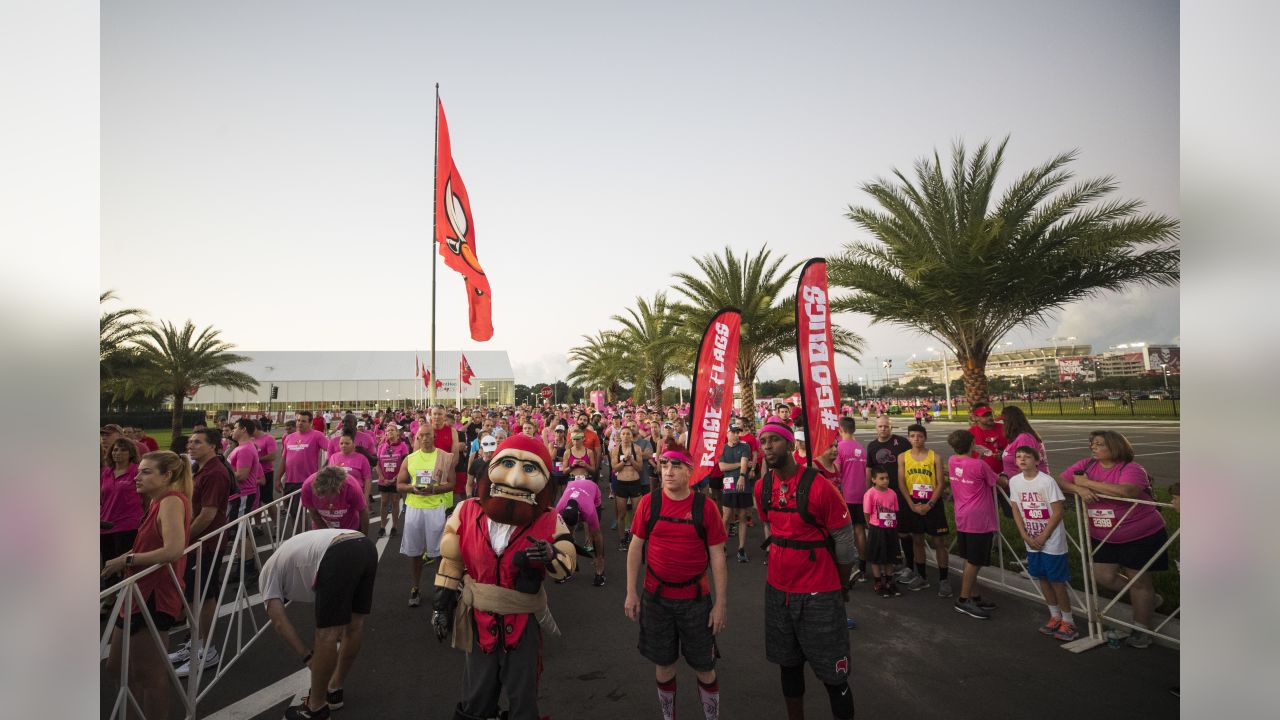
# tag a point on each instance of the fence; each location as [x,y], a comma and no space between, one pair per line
[245,617]
[1086,601]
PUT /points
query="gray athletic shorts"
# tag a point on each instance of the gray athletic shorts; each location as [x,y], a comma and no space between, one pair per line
[801,627]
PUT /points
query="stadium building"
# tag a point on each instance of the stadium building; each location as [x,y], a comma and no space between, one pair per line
[1027,362]
[359,380]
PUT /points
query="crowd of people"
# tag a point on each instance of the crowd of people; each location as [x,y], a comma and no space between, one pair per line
[858,513]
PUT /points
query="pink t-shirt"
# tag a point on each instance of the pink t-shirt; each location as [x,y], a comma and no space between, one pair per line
[971,483]
[246,456]
[389,459]
[587,493]
[1106,514]
[363,439]
[1009,458]
[120,502]
[302,454]
[266,445]
[356,464]
[851,461]
[880,507]
[341,510]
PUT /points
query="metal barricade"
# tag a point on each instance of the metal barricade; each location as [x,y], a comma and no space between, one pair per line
[245,615]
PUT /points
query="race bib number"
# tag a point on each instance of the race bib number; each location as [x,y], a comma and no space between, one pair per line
[921,492]
[1102,518]
[730,484]
[389,466]
[888,519]
[423,479]
[1035,515]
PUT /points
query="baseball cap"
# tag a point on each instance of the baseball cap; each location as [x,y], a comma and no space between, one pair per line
[799,435]
[488,442]
[985,410]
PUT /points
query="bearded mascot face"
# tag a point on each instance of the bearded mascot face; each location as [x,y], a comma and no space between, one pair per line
[517,489]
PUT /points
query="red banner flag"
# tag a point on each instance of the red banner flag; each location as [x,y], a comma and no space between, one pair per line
[819,389]
[439,384]
[426,378]
[464,370]
[456,233]
[712,393]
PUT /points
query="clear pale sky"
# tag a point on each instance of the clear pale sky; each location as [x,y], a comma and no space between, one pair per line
[267,167]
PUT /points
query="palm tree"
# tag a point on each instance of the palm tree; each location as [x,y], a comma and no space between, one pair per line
[648,334]
[600,362]
[178,362]
[757,285]
[949,265]
[118,333]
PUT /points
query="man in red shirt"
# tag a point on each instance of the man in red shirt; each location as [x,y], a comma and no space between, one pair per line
[989,443]
[676,613]
[811,555]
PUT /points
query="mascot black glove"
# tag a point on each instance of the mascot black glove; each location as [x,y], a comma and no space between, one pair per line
[445,602]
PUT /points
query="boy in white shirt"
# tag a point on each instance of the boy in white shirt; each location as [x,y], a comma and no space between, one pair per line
[1037,503]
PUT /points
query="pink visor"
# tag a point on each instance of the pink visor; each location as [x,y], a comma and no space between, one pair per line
[774,425]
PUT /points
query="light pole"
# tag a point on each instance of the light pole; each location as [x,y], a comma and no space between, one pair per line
[946,375]
[1164,368]
[862,383]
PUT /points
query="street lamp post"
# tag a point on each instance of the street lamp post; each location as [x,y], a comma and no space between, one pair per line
[862,383]
[946,376]
[1165,369]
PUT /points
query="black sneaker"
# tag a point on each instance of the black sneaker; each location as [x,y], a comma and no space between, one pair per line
[335,699]
[968,607]
[304,712]
[742,556]
[382,532]
[892,587]
[985,605]
[598,581]
[394,530]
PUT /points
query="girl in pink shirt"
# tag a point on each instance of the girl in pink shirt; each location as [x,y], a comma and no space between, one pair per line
[1018,431]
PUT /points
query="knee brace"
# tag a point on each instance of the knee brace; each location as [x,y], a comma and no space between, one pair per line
[841,701]
[793,680]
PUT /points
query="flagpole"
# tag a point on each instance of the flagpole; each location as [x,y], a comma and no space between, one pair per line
[435,186]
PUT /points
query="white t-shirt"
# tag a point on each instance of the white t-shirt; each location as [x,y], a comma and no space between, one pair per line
[1032,498]
[290,572]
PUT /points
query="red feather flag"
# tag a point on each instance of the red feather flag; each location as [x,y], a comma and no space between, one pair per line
[465,373]
[819,389]
[426,378]
[712,393]
[455,233]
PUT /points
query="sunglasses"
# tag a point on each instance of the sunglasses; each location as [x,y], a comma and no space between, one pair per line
[666,461]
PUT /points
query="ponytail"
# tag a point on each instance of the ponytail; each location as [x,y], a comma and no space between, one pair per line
[177,467]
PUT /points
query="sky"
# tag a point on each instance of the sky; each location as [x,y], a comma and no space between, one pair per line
[267,167]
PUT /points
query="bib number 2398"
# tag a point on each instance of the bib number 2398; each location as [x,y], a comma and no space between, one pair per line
[1102,518]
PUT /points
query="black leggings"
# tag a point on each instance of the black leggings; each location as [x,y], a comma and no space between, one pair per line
[840,696]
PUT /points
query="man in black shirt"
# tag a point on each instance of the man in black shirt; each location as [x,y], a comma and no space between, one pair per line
[884,452]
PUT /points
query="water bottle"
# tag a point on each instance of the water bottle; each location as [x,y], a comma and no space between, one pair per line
[1113,639]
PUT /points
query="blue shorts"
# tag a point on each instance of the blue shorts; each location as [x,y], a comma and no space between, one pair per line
[1043,566]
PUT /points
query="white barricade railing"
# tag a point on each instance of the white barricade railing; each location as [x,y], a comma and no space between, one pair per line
[1086,602]
[245,617]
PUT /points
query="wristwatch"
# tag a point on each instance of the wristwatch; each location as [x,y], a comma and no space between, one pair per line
[128,560]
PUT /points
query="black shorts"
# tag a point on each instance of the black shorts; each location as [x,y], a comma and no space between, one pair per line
[882,545]
[630,489]
[669,628]
[267,490]
[975,548]
[210,577]
[932,523]
[1135,553]
[800,627]
[344,581]
[738,499]
[387,488]
[163,621]
[855,514]
[239,507]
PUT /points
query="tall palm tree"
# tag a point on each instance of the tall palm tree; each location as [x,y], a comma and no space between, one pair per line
[761,287]
[118,354]
[647,333]
[600,362]
[948,264]
[178,362]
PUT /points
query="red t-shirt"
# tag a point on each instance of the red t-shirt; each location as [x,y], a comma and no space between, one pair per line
[992,440]
[317,423]
[791,570]
[675,552]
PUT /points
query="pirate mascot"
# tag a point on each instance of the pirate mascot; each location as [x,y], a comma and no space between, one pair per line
[496,551]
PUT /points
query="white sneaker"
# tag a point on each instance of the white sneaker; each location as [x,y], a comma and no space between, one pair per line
[181,655]
[207,659]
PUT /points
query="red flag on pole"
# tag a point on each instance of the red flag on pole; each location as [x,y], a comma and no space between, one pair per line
[426,378]
[439,384]
[455,233]
[464,371]
[819,389]
[417,367]
[712,394]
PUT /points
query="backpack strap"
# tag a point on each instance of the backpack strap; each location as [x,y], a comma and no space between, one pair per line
[655,507]
[802,507]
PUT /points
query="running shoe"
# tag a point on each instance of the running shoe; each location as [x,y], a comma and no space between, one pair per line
[427,560]
[182,654]
[905,575]
[394,530]
[598,581]
[335,699]
[892,587]
[1050,628]
[1066,632]
[856,576]
[207,659]
[415,599]
[303,711]
[1139,639]
[742,556]
[884,591]
[382,532]
[917,583]
[986,604]
[968,607]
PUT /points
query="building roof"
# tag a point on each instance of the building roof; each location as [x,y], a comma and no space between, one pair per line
[296,365]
